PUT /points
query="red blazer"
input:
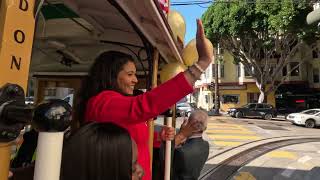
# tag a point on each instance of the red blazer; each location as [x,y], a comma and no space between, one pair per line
[132,112]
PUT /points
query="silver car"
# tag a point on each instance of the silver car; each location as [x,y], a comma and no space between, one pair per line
[184,109]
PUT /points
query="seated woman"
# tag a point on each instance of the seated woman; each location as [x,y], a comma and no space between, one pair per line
[100,151]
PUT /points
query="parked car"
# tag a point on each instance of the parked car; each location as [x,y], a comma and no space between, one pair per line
[309,118]
[184,108]
[263,110]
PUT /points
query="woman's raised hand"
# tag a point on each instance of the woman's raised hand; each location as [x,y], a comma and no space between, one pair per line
[205,52]
[204,46]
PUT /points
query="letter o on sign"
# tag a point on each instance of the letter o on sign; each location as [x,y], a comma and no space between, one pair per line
[19,36]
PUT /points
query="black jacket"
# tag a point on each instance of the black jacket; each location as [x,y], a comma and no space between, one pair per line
[190,158]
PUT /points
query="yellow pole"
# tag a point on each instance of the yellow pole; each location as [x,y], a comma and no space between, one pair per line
[174,116]
[5,160]
[17,24]
[153,85]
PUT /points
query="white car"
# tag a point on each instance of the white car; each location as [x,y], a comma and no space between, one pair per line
[309,118]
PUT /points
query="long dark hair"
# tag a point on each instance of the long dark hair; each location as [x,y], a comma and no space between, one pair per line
[102,76]
[97,151]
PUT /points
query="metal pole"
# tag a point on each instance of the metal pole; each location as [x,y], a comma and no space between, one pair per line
[167,161]
[216,85]
[153,85]
[49,153]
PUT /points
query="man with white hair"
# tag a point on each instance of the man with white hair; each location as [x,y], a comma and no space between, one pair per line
[190,158]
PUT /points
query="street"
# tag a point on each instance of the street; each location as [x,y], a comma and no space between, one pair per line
[231,136]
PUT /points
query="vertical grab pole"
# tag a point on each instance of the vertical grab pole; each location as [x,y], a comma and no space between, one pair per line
[51,119]
[170,122]
[49,151]
[154,84]
[167,166]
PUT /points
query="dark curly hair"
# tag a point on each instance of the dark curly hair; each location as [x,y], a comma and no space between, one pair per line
[102,76]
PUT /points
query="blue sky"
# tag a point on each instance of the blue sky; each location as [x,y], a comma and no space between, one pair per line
[190,14]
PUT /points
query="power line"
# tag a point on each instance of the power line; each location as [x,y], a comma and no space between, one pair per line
[188,3]
[199,3]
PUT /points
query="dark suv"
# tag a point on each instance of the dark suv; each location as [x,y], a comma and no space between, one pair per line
[263,110]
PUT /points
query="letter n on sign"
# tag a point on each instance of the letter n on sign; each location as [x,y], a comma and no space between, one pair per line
[17,25]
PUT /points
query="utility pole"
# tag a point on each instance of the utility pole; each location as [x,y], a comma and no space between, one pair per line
[216,82]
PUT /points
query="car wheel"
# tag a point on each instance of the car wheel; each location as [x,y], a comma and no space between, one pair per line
[268,116]
[239,115]
[310,123]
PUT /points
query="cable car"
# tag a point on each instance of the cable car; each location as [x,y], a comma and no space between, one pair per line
[51,44]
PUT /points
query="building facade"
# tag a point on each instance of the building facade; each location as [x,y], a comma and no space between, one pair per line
[237,87]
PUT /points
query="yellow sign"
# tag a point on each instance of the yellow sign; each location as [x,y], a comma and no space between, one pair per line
[17,24]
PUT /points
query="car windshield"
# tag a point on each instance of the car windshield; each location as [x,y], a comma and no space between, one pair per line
[310,112]
[183,105]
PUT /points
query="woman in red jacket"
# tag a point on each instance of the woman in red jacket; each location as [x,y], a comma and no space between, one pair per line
[106,95]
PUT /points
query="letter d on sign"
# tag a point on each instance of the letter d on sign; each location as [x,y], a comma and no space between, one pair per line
[23,5]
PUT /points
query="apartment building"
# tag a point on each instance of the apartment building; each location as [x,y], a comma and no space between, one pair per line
[237,87]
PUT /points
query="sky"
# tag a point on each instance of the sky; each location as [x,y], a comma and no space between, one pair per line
[190,14]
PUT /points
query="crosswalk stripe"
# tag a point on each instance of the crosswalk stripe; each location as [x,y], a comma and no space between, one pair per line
[282,154]
[219,131]
[224,128]
[224,125]
[234,137]
[227,143]
[228,135]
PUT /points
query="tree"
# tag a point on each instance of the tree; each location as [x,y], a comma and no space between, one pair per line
[263,35]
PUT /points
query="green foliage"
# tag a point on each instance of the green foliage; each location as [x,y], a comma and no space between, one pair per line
[257,32]
[259,20]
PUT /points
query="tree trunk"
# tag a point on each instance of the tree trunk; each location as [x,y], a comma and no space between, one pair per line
[262,90]
[261,97]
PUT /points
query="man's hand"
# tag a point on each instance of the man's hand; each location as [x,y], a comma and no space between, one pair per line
[187,129]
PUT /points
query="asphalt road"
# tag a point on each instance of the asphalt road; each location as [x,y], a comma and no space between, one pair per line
[230,136]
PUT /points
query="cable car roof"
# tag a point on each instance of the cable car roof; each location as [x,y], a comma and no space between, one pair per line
[70,34]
